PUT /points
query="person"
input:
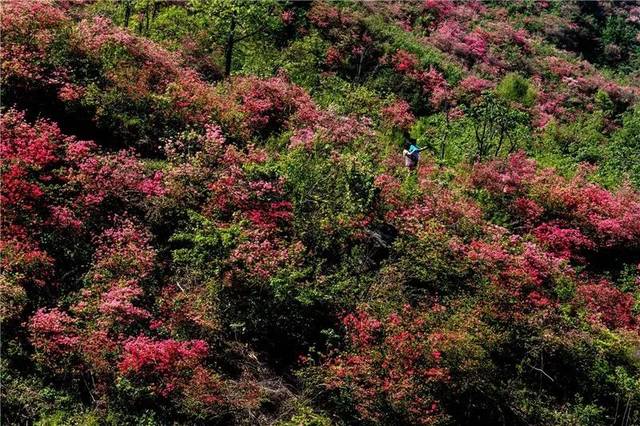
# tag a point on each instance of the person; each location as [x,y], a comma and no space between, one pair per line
[411,154]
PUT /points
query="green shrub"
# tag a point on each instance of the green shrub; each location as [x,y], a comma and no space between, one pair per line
[516,88]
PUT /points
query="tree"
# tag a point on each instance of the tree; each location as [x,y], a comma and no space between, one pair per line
[618,39]
[494,122]
[623,152]
[145,12]
[234,21]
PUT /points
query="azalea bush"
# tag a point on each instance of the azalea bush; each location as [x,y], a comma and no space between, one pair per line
[206,216]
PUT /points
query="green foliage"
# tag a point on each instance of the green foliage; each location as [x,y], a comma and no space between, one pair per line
[305,416]
[622,153]
[427,266]
[233,22]
[516,88]
[585,140]
[430,131]
[497,127]
[327,194]
[347,98]
[322,278]
[201,248]
[621,35]
[604,103]
[62,418]
[579,141]
[173,24]
[303,60]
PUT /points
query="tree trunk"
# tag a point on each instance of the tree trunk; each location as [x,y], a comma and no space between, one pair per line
[147,16]
[500,141]
[228,51]
[127,13]
[140,24]
[446,132]
[360,65]
[156,9]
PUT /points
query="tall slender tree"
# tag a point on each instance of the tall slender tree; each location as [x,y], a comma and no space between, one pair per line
[232,22]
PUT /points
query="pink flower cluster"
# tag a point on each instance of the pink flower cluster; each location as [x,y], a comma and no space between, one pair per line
[399,115]
[432,81]
[124,251]
[606,218]
[504,177]
[54,333]
[450,36]
[111,176]
[563,242]
[28,30]
[269,104]
[117,304]
[474,85]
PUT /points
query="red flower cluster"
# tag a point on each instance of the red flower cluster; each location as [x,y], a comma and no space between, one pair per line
[451,37]
[391,366]
[563,242]
[607,305]
[162,362]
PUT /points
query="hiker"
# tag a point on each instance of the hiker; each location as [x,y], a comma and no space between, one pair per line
[411,154]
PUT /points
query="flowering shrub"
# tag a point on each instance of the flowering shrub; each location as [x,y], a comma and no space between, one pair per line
[504,177]
[23,259]
[474,85]
[161,72]
[432,81]
[528,210]
[607,305]
[441,7]
[162,363]
[29,30]
[404,62]
[564,242]
[339,130]
[269,104]
[450,36]
[432,203]
[250,215]
[53,333]
[399,115]
[25,150]
[116,304]
[353,52]
[607,218]
[124,251]
[262,255]
[391,368]
[112,175]
[611,218]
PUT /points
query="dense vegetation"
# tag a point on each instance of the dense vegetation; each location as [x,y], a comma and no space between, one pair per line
[206,217]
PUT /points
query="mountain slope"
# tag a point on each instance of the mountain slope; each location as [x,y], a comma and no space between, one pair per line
[207,218]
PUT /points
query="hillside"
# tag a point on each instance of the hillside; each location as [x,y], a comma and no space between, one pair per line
[211,212]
